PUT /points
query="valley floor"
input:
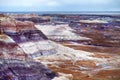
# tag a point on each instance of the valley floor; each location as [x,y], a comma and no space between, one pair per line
[83,65]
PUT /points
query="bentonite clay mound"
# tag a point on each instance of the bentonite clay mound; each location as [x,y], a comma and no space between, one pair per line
[24,70]
[15,64]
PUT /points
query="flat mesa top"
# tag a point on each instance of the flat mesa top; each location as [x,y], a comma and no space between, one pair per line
[93,21]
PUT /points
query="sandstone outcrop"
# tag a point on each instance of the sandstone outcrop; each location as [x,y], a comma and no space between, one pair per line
[16,26]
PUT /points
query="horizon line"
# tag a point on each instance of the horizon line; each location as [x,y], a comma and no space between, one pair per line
[59,11]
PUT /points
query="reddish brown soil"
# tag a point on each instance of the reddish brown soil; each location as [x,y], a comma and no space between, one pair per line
[69,68]
[113,50]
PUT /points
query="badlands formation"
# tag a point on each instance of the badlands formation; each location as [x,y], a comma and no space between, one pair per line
[59,47]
